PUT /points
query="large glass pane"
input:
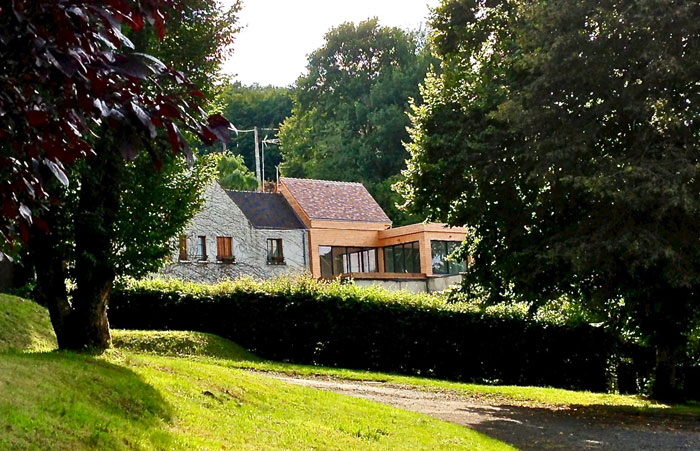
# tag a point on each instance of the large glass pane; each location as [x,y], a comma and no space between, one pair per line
[389,259]
[412,258]
[371,265]
[399,258]
[456,266]
[326,261]
[340,264]
[354,259]
[439,257]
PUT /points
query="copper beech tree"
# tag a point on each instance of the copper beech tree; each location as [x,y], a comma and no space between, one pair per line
[73,90]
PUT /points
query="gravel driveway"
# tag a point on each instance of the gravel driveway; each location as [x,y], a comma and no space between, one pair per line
[529,428]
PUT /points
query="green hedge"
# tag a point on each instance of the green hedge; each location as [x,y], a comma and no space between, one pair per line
[342,325]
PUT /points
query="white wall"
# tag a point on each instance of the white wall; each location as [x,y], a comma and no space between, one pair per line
[432,284]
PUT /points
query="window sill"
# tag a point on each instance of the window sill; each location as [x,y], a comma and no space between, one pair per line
[282,263]
[226,261]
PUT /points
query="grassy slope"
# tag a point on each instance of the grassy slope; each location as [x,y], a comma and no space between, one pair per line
[24,326]
[135,400]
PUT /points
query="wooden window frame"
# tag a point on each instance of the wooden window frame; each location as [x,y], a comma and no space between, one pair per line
[275,260]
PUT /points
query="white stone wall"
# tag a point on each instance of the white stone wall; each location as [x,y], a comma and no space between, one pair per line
[430,285]
[222,217]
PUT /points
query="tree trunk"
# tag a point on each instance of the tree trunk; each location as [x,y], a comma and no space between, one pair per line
[666,384]
[50,291]
[81,322]
[94,266]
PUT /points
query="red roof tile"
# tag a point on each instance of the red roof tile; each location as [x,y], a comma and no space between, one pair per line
[337,201]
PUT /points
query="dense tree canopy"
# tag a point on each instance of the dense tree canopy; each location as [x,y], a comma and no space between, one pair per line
[349,119]
[90,129]
[566,134]
[265,107]
[70,75]
[233,173]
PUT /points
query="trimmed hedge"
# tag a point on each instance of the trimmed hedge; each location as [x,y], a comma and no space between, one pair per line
[308,322]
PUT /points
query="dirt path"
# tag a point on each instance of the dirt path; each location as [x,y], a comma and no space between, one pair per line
[528,428]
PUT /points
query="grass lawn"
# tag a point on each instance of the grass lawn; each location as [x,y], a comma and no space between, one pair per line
[129,399]
[188,390]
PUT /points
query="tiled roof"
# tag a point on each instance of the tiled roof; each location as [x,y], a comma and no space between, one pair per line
[338,201]
[266,210]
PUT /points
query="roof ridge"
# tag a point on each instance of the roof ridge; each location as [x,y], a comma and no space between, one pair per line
[322,181]
[247,192]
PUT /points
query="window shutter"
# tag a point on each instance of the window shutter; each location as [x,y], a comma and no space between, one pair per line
[224,248]
[183,247]
[220,245]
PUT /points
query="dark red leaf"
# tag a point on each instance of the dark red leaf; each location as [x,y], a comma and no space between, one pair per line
[37,118]
[135,20]
[145,119]
[26,213]
[221,127]
[159,24]
[57,171]
[133,66]
[207,136]
[41,225]
[24,232]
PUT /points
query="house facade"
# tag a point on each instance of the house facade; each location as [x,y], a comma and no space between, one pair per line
[326,228]
[350,236]
[241,233]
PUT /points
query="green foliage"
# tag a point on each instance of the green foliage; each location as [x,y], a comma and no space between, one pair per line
[233,174]
[343,325]
[255,106]
[349,120]
[156,206]
[566,134]
[199,38]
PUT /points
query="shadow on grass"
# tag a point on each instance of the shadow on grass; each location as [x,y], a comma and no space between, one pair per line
[64,400]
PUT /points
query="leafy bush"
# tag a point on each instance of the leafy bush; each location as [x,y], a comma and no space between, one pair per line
[335,324]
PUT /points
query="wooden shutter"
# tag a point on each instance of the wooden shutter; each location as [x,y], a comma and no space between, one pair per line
[223,248]
[183,247]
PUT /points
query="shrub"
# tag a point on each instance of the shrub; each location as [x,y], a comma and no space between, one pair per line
[343,325]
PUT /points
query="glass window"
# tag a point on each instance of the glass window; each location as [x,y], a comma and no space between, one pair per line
[336,260]
[340,260]
[325,252]
[370,262]
[441,250]
[403,258]
[275,253]
[389,259]
[412,258]
[201,248]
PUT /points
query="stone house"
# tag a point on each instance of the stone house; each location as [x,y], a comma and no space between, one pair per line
[241,233]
